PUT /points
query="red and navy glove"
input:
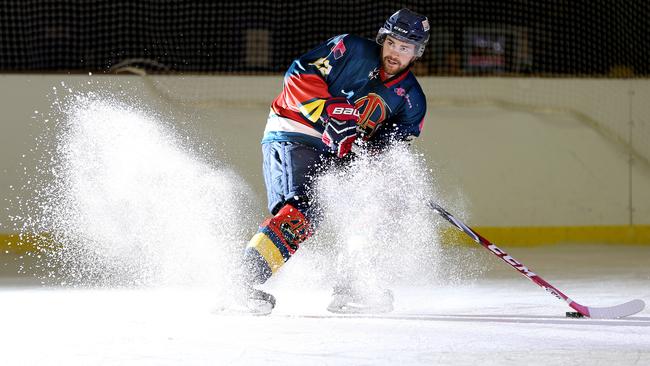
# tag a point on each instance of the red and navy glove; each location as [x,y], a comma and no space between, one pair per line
[340,123]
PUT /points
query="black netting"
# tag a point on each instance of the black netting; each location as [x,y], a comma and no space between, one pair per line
[469,37]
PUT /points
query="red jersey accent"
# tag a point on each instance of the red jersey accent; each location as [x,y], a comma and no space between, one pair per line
[397,79]
[299,89]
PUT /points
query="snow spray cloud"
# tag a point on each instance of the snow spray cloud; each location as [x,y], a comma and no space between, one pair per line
[375,213]
[126,204]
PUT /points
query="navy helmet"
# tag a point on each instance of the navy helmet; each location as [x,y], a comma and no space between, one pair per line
[407,26]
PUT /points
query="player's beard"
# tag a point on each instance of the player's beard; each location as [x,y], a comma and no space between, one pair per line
[392,68]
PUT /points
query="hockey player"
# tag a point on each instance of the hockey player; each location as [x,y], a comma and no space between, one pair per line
[346,89]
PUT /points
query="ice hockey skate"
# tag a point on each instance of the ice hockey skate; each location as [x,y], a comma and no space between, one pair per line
[258,302]
[248,300]
[346,300]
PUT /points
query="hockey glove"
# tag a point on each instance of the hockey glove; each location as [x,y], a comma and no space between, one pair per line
[340,125]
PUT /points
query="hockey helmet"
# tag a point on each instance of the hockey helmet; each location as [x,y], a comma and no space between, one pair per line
[407,26]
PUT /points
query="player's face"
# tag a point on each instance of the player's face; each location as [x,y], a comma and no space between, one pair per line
[396,55]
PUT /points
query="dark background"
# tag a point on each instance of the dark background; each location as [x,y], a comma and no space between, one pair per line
[562,38]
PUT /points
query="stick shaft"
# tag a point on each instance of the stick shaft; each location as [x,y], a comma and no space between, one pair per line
[504,256]
[610,312]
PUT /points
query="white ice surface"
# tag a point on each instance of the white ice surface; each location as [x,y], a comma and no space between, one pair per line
[501,318]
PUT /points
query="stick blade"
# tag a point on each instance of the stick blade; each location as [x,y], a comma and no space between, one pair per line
[617,311]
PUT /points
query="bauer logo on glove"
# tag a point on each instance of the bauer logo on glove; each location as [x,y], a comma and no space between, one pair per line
[340,125]
[348,111]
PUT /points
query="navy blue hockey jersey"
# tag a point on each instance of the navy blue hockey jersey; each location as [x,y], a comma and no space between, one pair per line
[346,66]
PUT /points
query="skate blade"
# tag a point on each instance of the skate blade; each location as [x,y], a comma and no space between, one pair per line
[254,308]
[353,308]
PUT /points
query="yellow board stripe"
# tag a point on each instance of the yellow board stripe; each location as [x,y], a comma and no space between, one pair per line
[15,244]
[11,243]
[548,235]
[268,250]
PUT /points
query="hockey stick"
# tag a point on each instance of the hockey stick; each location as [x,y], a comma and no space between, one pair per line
[612,312]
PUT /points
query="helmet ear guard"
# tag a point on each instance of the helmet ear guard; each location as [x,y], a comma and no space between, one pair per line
[407,26]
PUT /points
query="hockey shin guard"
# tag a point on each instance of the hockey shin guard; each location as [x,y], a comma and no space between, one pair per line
[275,242]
